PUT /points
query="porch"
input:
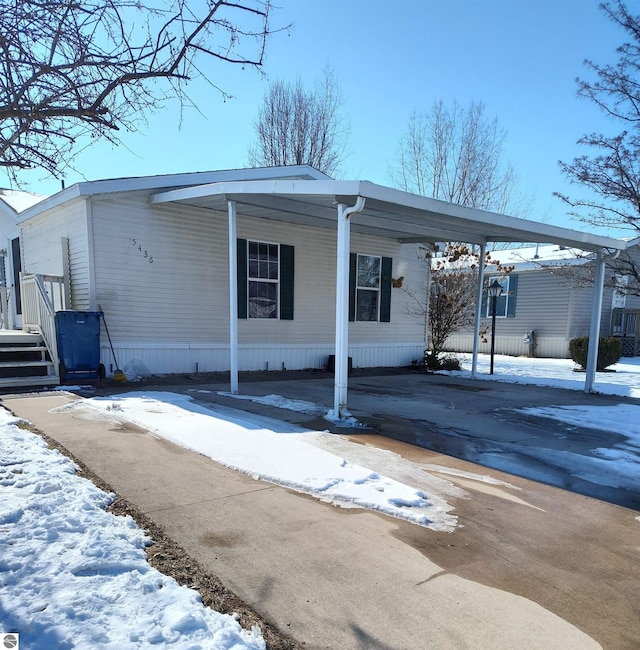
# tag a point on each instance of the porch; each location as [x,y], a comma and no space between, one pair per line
[29,354]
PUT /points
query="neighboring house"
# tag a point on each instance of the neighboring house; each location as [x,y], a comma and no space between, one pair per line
[550,293]
[12,202]
[160,273]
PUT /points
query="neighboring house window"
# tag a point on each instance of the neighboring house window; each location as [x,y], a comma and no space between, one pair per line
[265,280]
[370,288]
[505,303]
[619,297]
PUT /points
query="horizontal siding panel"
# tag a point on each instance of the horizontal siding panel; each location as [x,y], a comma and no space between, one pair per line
[43,251]
[183,294]
[166,358]
[553,347]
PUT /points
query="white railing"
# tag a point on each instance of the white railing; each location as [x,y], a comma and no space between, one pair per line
[42,296]
[4,308]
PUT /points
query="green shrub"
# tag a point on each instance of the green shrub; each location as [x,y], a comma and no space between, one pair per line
[609,351]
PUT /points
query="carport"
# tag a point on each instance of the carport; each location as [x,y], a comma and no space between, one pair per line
[368,208]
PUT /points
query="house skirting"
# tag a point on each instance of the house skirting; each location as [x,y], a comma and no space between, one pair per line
[168,358]
[515,346]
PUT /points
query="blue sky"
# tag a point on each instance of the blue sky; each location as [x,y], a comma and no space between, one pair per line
[519,57]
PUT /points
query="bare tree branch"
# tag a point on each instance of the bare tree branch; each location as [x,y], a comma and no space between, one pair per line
[456,155]
[296,126]
[72,71]
[612,173]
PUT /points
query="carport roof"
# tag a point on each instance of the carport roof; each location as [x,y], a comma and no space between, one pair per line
[387,212]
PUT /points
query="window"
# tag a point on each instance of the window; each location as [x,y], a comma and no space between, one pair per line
[370,288]
[265,280]
[263,277]
[506,302]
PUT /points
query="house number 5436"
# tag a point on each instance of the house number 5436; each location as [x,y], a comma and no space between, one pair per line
[149,258]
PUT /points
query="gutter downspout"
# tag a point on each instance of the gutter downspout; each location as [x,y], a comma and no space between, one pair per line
[478,321]
[342,308]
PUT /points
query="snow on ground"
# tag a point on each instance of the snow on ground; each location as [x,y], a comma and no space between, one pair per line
[73,575]
[623,380]
[273,451]
[78,572]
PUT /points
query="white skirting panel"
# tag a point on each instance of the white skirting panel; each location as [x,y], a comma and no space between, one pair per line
[548,347]
[168,358]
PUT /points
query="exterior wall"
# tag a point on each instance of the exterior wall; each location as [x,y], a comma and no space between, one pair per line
[542,305]
[43,253]
[161,276]
[549,305]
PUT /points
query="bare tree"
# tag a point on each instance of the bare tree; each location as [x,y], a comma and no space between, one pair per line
[611,174]
[457,155]
[297,126]
[72,71]
[447,304]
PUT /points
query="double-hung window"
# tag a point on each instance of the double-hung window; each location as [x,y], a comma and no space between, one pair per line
[506,301]
[370,288]
[368,271]
[263,278]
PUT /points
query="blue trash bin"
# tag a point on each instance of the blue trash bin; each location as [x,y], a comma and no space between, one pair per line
[78,338]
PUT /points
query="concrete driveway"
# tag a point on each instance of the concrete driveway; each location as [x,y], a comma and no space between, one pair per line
[478,421]
[529,566]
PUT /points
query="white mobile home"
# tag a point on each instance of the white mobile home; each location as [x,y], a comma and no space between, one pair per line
[250,269]
[160,273]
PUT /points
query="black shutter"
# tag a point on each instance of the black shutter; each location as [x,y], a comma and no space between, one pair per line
[385,290]
[242,278]
[286,282]
[353,261]
[511,300]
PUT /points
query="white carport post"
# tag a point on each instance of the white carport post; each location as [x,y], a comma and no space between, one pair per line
[596,316]
[233,299]
[476,329]
[342,307]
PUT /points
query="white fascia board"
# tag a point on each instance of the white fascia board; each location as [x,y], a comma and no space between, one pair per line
[236,189]
[347,191]
[149,183]
[538,231]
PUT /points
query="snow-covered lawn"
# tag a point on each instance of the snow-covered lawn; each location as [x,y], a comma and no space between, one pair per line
[80,573]
[623,380]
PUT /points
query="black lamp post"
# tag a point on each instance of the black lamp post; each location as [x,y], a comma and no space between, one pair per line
[495,289]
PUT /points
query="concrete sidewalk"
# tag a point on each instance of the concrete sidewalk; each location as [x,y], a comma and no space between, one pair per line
[532,567]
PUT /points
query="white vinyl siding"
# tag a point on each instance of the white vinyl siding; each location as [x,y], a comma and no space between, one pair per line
[43,252]
[161,273]
[183,295]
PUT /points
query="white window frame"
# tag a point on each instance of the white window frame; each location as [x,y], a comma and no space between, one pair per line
[377,289]
[504,283]
[252,279]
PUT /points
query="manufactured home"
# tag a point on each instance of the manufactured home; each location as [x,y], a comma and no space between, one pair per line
[245,269]
[547,300]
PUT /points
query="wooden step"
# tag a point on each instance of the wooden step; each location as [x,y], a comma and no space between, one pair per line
[30,382]
[22,348]
[24,364]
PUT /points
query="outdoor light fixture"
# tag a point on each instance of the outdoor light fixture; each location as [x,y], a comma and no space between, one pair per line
[495,290]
